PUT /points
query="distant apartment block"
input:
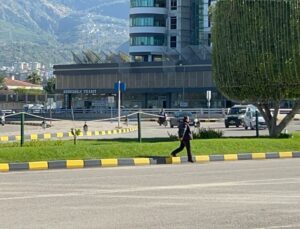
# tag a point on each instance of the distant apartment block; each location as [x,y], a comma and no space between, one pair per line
[169,30]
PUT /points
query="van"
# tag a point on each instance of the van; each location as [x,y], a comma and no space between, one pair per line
[250,118]
[235,116]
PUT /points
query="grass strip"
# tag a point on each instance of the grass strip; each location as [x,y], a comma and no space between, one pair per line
[125,148]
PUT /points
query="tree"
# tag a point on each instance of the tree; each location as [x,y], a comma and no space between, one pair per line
[34,78]
[1,81]
[256,57]
[50,86]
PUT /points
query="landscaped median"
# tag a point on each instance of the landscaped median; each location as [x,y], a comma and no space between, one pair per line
[36,155]
[77,164]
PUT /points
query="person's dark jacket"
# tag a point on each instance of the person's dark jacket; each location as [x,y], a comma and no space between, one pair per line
[184,131]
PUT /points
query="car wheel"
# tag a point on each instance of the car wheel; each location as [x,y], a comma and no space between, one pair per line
[246,127]
[237,125]
[226,126]
[172,126]
[251,127]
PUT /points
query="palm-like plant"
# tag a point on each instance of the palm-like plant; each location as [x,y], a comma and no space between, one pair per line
[34,78]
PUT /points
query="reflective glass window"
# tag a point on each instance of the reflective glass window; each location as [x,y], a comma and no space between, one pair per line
[147,40]
[173,4]
[148,20]
[173,42]
[173,23]
[147,3]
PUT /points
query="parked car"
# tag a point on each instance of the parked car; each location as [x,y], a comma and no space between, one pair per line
[250,119]
[2,118]
[235,116]
[178,117]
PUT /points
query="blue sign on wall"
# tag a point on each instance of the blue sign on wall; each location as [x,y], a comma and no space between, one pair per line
[122,86]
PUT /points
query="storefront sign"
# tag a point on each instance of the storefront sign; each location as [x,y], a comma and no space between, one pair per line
[80,91]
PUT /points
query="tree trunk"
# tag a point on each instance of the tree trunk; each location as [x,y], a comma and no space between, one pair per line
[275,128]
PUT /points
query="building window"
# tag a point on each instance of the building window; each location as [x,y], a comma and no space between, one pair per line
[173,4]
[173,23]
[148,20]
[173,42]
[147,3]
[147,40]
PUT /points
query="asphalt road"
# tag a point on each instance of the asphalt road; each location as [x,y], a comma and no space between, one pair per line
[242,194]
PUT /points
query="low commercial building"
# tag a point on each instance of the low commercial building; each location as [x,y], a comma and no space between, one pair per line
[148,85]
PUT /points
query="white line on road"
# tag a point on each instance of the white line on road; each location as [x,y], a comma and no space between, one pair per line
[160,188]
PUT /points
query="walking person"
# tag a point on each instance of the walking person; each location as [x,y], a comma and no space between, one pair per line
[185,135]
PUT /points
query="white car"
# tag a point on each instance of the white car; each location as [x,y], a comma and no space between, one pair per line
[250,120]
[2,118]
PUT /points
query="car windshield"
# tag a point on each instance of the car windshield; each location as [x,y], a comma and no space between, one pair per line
[182,114]
[237,110]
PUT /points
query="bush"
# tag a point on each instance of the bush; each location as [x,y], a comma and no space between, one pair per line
[285,135]
[173,137]
[207,133]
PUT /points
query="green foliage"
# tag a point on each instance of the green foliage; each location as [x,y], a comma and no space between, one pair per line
[75,133]
[28,91]
[206,133]
[34,78]
[1,81]
[50,87]
[256,47]
[285,135]
[173,137]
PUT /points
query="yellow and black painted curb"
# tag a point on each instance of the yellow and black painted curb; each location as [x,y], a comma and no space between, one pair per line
[60,135]
[73,164]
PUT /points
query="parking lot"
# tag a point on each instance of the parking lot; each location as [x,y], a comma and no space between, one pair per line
[149,129]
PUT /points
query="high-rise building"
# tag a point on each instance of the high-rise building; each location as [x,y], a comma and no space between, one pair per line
[169,30]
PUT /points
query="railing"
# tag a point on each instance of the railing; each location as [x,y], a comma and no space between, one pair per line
[109,113]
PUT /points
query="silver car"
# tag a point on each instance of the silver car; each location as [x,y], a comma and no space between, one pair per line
[250,120]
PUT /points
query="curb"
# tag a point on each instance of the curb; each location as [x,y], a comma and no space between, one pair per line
[75,164]
[26,123]
[60,135]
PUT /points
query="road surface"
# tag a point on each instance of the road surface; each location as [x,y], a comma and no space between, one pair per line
[242,194]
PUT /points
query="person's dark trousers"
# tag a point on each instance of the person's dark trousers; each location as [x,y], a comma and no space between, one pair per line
[184,143]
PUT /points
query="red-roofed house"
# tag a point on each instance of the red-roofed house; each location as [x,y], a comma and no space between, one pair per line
[11,84]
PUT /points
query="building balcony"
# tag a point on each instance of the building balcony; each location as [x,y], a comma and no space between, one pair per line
[148,10]
[147,30]
[147,49]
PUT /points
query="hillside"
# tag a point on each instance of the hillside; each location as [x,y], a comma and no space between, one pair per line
[48,30]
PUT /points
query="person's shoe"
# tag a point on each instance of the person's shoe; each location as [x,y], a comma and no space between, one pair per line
[173,154]
[192,161]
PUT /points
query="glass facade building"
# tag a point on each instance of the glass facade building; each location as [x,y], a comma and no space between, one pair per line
[147,3]
[183,23]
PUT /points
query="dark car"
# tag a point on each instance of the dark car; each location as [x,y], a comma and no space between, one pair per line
[178,117]
[235,116]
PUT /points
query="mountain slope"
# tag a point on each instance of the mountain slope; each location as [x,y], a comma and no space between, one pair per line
[47,30]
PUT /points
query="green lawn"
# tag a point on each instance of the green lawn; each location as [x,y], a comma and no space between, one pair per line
[93,149]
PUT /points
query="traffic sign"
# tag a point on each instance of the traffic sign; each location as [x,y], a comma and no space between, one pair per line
[208,95]
[122,86]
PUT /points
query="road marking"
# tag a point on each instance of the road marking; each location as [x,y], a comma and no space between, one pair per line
[157,188]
